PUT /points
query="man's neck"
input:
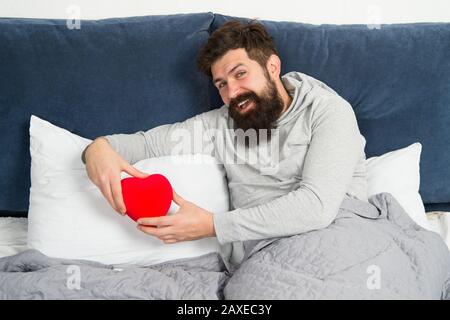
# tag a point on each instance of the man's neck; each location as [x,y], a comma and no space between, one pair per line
[285,96]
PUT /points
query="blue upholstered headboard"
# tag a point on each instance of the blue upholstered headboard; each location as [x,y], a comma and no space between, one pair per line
[130,74]
[113,75]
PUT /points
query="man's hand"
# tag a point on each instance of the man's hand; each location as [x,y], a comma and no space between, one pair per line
[104,166]
[190,222]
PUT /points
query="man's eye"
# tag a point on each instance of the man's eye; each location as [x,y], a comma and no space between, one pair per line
[221,85]
[240,74]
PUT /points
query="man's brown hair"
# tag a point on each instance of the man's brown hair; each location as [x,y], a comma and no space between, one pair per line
[234,34]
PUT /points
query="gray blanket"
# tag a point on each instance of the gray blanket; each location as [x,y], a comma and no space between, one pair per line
[371,251]
[32,275]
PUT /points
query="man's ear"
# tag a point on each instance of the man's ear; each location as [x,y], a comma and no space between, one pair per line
[274,66]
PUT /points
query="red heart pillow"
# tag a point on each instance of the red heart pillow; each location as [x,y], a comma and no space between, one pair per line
[147,197]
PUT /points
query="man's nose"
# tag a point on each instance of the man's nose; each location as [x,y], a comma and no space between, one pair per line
[233,90]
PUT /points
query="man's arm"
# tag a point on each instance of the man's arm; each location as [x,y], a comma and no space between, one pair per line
[184,137]
[106,157]
[334,151]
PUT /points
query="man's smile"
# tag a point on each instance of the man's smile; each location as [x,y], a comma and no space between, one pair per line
[245,105]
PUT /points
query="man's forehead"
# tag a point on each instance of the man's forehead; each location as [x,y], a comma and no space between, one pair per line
[229,61]
[217,76]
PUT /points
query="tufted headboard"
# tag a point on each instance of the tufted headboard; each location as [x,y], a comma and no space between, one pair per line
[109,76]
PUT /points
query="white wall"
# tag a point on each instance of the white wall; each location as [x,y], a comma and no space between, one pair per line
[309,11]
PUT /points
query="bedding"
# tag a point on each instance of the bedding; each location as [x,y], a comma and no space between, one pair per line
[13,231]
[69,217]
[32,275]
[398,173]
[371,251]
[13,235]
[440,223]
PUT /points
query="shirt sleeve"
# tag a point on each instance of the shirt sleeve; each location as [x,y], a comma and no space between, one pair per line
[335,148]
[187,137]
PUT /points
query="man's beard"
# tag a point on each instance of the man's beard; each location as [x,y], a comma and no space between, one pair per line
[264,113]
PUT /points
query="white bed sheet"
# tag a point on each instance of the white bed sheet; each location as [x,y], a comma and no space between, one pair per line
[13,236]
[440,223]
[13,232]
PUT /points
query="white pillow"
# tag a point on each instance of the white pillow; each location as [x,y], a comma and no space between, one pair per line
[398,173]
[69,218]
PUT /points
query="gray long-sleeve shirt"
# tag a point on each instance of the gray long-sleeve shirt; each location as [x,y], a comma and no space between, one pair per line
[317,159]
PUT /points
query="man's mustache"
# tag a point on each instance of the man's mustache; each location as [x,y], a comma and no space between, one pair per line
[242,97]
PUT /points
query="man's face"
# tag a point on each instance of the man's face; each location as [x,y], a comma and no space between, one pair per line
[248,90]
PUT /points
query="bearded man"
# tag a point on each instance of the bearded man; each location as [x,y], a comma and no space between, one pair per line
[319,158]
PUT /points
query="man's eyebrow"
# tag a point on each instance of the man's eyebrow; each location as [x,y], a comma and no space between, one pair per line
[234,68]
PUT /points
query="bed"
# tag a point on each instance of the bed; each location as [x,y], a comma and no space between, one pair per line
[393,258]
[13,232]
